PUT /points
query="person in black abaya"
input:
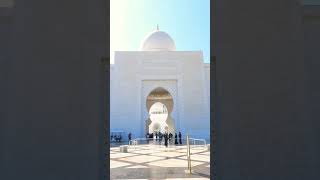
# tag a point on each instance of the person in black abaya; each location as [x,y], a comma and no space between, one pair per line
[180,138]
[175,138]
[166,139]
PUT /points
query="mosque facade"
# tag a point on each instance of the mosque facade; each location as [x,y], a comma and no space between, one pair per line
[158,80]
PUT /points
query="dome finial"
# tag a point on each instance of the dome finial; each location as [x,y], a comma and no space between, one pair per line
[157,27]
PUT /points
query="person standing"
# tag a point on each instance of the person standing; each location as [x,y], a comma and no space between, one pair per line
[129,136]
[166,139]
[180,137]
[175,139]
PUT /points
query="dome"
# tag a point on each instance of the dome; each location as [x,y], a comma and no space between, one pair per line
[158,41]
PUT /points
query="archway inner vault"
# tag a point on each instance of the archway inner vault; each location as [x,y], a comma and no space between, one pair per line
[158,114]
[157,97]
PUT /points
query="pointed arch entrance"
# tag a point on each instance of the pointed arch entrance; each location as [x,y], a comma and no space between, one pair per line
[160,101]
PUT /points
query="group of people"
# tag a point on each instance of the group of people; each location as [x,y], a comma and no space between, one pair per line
[168,137]
[117,138]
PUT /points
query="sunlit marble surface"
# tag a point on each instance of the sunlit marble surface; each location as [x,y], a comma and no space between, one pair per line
[158,162]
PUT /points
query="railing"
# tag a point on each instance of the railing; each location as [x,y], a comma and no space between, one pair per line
[193,140]
[194,143]
[183,143]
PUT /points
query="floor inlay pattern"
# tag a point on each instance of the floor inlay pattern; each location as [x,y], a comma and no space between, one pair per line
[158,162]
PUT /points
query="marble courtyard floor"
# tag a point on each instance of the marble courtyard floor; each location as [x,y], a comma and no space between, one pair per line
[158,162]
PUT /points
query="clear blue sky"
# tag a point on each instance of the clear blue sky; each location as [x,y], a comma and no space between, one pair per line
[186,21]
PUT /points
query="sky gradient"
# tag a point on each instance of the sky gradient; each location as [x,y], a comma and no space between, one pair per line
[186,21]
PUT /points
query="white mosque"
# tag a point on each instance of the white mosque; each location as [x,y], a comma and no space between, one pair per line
[160,89]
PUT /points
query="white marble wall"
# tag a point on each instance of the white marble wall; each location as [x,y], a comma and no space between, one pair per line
[135,74]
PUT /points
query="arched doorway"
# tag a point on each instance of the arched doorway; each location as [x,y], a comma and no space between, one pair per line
[158,114]
[159,104]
